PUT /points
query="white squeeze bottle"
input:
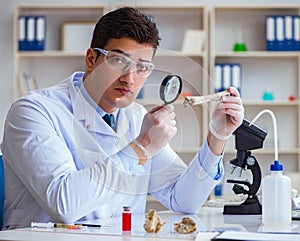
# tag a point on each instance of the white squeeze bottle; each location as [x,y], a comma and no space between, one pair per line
[276,188]
[276,197]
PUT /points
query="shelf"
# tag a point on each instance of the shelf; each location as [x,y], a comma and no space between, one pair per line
[257,54]
[178,53]
[271,103]
[61,53]
[269,151]
[50,53]
[60,7]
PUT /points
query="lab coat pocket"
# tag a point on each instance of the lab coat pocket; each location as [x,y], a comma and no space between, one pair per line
[89,158]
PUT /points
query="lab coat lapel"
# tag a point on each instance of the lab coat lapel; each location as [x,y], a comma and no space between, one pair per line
[123,124]
[86,113]
[95,125]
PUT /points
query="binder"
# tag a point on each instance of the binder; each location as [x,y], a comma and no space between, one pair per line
[21,33]
[270,33]
[288,33]
[218,77]
[236,76]
[40,33]
[296,35]
[279,33]
[226,76]
[32,33]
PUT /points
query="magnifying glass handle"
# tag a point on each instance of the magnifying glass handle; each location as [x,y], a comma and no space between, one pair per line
[196,100]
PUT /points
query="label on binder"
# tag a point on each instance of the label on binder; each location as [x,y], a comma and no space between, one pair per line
[288,27]
[297,32]
[40,33]
[270,33]
[227,76]
[279,33]
[218,78]
[21,33]
[236,76]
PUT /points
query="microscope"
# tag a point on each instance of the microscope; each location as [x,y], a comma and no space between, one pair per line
[247,137]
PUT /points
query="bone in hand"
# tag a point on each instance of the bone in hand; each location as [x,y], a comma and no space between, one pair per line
[196,100]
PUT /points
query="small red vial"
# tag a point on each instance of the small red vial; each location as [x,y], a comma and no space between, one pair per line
[126,219]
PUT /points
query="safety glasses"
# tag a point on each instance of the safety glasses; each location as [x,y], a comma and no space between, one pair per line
[124,64]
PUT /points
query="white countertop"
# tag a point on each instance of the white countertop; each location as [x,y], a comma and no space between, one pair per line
[209,220]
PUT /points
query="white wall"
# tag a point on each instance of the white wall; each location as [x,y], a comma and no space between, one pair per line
[6,33]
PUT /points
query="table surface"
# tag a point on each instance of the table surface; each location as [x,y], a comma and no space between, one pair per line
[209,221]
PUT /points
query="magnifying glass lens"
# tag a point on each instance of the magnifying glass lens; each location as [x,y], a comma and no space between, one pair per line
[170,88]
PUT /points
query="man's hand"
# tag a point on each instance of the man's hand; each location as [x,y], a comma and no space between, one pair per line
[227,116]
[159,126]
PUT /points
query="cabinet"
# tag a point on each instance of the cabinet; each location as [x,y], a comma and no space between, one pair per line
[261,70]
[53,64]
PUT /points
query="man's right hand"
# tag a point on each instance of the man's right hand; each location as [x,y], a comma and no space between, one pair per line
[158,127]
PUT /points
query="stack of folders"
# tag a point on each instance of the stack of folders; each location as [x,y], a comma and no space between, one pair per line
[283,33]
[32,33]
[226,75]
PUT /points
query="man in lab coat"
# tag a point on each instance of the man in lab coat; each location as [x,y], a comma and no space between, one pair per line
[64,163]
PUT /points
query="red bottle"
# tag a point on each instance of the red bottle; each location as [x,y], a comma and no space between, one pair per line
[126,219]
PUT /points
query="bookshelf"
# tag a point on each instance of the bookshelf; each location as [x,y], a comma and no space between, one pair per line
[52,64]
[278,71]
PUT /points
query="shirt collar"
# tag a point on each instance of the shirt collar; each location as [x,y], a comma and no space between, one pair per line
[78,82]
[86,109]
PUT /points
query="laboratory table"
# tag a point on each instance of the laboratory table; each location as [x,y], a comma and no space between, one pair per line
[210,221]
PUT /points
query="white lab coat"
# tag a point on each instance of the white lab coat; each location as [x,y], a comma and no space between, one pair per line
[63,164]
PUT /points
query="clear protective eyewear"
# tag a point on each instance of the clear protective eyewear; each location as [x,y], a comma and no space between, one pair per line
[123,63]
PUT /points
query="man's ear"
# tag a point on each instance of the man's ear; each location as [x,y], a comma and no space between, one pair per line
[90,59]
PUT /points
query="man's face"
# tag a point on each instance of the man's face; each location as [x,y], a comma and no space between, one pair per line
[111,85]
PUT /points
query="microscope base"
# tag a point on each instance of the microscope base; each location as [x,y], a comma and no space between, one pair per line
[250,206]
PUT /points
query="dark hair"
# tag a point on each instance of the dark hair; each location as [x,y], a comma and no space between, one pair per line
[125,22]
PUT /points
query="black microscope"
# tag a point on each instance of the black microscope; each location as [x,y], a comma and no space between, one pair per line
[247,137]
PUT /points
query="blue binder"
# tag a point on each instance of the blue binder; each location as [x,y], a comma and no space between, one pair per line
[226,75]
[296,32]
[40,33]
[22,33]
[283,33]
[236,76]
[32,33]
[279,33]
[270,33]
[218,77]
[288,33]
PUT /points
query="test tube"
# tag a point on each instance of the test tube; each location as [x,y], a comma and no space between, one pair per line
[126,219]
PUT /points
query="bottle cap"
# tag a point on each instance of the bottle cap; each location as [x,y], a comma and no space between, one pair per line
[126,208]
[276,166]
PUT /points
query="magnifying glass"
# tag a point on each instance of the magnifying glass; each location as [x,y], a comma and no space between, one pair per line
[170,88]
